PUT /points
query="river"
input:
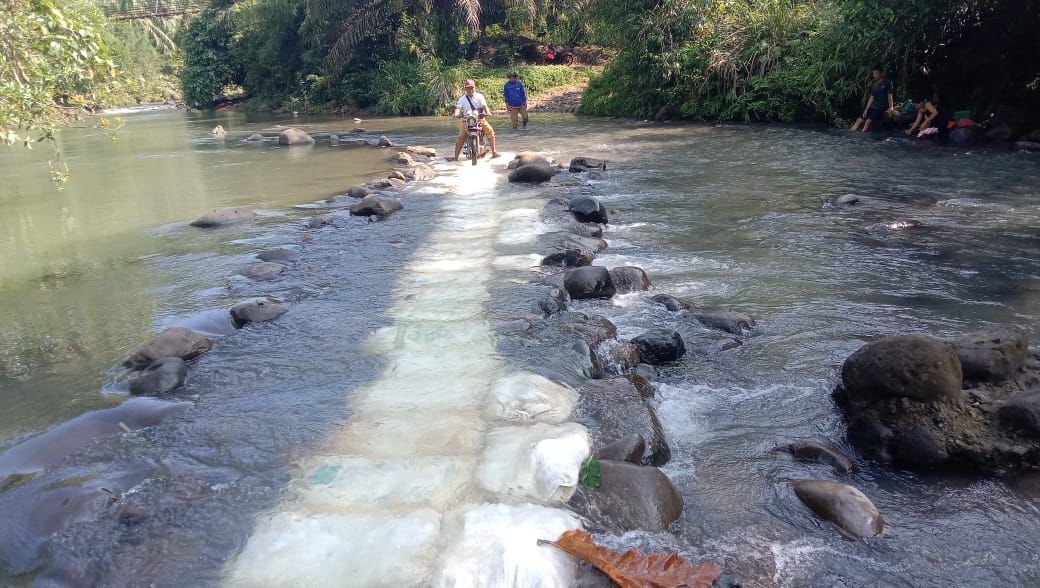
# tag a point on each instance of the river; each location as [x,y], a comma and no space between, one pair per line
[734,216]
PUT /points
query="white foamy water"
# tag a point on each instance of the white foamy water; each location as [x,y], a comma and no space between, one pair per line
[451,467]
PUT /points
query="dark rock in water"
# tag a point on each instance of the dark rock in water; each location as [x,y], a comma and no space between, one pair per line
[1027,145]
[841,504]
[671,302]
[294,137]
[160,377]
[576,257]
[279,254]
[629,448]
[994,354]
[584,164]
[815,451]
[376,206]
[917,367]
[660,346]
[385,142]
[920,447]
[535,173]
[554,301]
[589,282]
[358,191]
[724,320]
[731,344]
[1022,413]
[420,172]
[588,364]
[255,137]
[50,448]
[645,371]
[262,271]
[629,279]
[619,406]
[173,342]
[513,326]
[587,209]
[594,244]
[593,330]
[529,158]
[358,130]
[421,150]
[397,175]
[321,220]
[585,230]
[629,498]
[257,311]
[223,217]
[617,357]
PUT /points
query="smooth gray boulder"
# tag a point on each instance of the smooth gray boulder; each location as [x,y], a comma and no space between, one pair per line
[815,451]
[261,271]
[845,506]
[846,200]
[735,323]
[630,448]
[255,137]
[630,279]
[280,254]
[589,282]
[994,354]
[257,311]
[380,206]
[223,217]
[629,498]
[587,209]
[293,136]
[160,377]
[671,302]
[173,342]
[660,346]
[917,367]
[534,173]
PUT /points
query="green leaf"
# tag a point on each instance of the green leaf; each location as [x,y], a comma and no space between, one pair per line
[589,476]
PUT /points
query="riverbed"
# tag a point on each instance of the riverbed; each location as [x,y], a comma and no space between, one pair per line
[735,216]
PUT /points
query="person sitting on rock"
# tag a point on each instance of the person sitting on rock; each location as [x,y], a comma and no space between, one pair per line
[880,95]
[516,99]
[473,102]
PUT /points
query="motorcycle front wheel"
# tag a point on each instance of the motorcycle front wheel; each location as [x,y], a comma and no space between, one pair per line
[473,153]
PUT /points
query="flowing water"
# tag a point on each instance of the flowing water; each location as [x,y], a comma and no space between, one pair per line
[370,435]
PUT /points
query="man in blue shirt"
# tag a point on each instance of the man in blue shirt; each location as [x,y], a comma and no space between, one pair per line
[516,99]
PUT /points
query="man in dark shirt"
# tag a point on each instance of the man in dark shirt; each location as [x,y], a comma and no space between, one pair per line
[516,99]
[880,96]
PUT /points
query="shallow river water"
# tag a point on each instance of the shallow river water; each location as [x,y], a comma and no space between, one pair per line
[356,423]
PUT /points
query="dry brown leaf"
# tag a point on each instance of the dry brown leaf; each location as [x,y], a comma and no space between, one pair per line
[634,569]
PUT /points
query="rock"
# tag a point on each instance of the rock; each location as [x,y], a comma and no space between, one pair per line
[396,183]
[160,377]
[396,175]
[321,220]
[173,342]
[585,230]
[279,254]
[645,371]
[529,158]
[594,330]
[421,150]
[387,184]
[994,354]
[917,367]
[629,498]
[576,257]
[224,216]
[617,357]
[587,209]
[920,447]
[262,271]
[294,136]
[359,130]
[1022,413]
[629,448]
[420,172]
[818,452]
[841,504]
[535,173]
[380,206]
[385,142]
[255,137]
[1027,145]
[593,244]
[358,191]
[671,302]
[724,320]
[614,407]
[333,140]
[257,311]
[660,346]
[589,282]
[846,200]
[629,279]
[403,158]
[584,164]
[1000,132]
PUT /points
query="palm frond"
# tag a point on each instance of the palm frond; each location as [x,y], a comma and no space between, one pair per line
[471,13]
[362,23]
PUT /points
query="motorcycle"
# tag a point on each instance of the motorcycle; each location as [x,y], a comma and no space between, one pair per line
[476,145]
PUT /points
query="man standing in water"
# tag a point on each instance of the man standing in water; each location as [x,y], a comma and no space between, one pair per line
[516,99]
[473,101]
[880,95]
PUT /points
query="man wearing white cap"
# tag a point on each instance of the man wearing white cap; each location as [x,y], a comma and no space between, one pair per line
[473,101]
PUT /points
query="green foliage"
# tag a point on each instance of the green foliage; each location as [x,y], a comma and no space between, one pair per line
[146,72]
[589,475]
[210,62]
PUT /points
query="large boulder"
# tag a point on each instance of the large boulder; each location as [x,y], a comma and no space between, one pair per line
[529,158]
[261,271]
[584,164]
[589,282]
[222,217]
[845,506]
[173,342]
[917,367]
[380,206]
[629,498]
[660,346]
[534,173]
[257,311]
[587,209]
[630,279]
[294,136]
[724,320]
[160,377]
[615,407]
[994,354]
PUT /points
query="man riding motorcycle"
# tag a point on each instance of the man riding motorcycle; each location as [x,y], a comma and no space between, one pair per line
[473,101]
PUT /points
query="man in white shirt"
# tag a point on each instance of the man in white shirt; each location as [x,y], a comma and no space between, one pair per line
[473,101]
